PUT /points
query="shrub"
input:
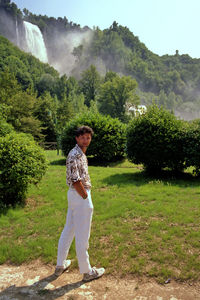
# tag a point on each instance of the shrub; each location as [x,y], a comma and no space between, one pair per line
[21,162]
[108,142]
[154,140]
[191,146]
[5,128]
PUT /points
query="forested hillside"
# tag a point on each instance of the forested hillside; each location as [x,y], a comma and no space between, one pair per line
[117,49]
[36,100]
[172,81]
[27,69]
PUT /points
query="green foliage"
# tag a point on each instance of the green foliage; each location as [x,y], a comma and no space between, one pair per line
[170,80]
[144,210]
[21,114]
[5,128]
[28,70]
[21,162]
[46,84]
[78,103]
[108,142]
[46,111]
[50,24]
[22,79]
[9,86]
[115,94]
[20,105]
[158,140]
[10,7]
[115,48]
[64,114]
[155,140]
[89,84]
[120,51]
[191,145]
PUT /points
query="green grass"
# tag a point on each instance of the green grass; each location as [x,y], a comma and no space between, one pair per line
[141,225]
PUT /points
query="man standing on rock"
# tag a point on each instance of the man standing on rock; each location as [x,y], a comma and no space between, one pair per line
[80,209]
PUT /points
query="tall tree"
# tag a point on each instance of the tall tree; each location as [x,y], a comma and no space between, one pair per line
[116,94]
[64,113]
[19,106]
[45,111]
[89,84]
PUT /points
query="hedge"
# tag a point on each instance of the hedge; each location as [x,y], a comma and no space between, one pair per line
[21,162]
[155,140]
[108,142]
[191,145]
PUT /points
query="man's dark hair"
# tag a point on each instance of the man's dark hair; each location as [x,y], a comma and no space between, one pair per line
[82,130]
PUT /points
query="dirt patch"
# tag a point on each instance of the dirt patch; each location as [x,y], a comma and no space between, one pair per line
[37,281]
[31,202]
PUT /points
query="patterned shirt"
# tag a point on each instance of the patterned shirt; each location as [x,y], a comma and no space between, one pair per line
[77,168]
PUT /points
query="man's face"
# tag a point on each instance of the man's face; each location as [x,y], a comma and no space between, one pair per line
[84,140]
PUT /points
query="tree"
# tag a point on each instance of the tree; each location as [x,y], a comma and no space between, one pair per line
[21,162]
[162,99]
[171,101]
[61,87]
[8,86]
[64,114]
[110,75]
[155,140]
[19,106]
[115,94]
[5,3]
[45,111]
[66,87]
[22,114]
[89,84]
[78,105]
[26,12]
[108,142]
[72,86]
[46,84]
[77,52]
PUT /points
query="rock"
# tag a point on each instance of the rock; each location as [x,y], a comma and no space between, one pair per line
[32,281]
[49,287]
[84,287]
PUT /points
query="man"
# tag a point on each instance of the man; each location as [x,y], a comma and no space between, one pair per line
[80,209]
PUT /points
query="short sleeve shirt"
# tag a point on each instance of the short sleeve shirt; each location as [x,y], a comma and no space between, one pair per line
[77,168]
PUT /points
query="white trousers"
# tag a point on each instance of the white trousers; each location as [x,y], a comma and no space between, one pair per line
[78,224]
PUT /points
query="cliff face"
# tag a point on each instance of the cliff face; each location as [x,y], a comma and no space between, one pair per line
[8,25]
[11,27]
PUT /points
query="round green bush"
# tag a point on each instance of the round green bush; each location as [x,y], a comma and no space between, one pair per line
[155,140]
[21,162]
[191,145]
[5,128]
[108,142]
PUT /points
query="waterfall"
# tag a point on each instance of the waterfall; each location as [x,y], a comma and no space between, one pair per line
[17,33]
[35,42]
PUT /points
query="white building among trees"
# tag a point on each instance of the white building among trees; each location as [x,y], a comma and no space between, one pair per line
[137,110]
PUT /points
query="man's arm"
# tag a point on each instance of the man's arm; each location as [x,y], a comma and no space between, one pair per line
[80,189]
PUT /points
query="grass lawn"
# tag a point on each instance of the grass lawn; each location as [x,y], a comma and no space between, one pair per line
[141,225]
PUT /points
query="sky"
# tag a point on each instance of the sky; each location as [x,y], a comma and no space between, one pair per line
[164,26]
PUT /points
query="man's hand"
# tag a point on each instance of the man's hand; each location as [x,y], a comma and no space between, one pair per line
[80,189]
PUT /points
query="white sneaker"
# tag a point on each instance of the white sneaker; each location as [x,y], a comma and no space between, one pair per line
[61,269]
[95,274]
